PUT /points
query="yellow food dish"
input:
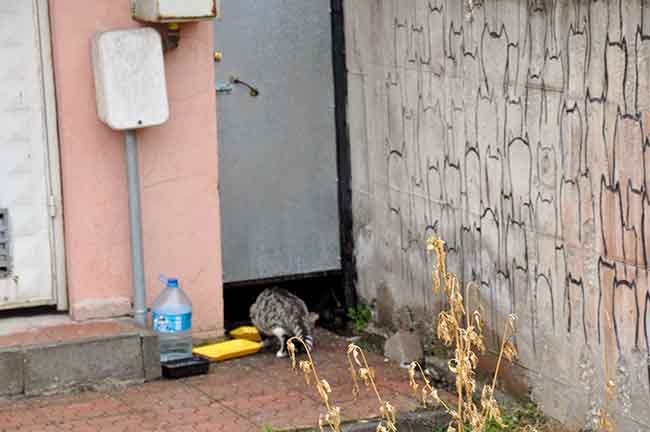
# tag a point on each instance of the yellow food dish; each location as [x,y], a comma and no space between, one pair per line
[246,332]
[228,350]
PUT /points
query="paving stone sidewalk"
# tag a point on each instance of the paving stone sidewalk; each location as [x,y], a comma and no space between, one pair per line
[256,393]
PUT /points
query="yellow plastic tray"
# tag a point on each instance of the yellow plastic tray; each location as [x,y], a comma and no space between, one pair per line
[228,350]
[246,332]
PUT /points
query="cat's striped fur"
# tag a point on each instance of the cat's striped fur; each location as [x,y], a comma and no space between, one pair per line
[277,312]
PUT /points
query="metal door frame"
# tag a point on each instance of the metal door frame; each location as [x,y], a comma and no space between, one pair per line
[53,174]
[343,156]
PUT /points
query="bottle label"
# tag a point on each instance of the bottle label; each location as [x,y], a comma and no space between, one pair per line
[172,323]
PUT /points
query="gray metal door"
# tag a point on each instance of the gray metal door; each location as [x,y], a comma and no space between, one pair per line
[277,150]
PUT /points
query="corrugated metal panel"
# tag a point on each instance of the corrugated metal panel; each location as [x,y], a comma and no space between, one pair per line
[277,150]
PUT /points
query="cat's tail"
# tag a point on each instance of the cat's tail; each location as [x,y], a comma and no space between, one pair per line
[306,337]
[309,341]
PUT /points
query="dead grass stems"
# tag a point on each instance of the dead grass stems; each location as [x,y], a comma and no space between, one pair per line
[463,331]
[458,329]
[332,416]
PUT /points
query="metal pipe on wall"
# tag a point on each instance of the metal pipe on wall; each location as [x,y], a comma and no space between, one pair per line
[135,224]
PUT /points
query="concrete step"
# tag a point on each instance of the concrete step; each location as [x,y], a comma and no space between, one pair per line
[61,357]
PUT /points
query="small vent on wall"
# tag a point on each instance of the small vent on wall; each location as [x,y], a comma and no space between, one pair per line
[5,256]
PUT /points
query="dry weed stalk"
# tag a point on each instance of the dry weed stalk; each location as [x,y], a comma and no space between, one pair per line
[333,416]
[464,332]
[605,421]
[357,357]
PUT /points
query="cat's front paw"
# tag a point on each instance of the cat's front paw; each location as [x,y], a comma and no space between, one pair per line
[281,354]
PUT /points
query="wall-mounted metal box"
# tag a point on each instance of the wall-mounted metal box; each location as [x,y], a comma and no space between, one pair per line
[171,11]
[130,83]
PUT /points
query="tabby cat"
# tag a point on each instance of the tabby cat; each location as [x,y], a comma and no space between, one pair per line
[277,312]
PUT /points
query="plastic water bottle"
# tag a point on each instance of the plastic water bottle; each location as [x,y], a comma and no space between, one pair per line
[172,321]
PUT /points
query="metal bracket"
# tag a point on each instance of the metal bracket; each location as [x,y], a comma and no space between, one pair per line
[51,205]
[224,87]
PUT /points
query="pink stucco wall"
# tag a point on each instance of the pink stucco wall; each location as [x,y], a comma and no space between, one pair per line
[178,165]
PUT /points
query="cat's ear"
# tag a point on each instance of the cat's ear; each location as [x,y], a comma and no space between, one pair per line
[313,317]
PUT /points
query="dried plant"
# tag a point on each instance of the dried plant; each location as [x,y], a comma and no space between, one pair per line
[605,421]
[359,369]
[456,328]
[464,332]
[332,417]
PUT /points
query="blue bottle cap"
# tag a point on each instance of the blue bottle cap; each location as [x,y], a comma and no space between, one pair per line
[172,283]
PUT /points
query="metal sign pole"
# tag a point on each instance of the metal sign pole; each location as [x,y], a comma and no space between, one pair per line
[131,94]
[135,223]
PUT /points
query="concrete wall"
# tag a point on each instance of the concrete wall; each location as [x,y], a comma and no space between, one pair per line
[178,165]
[519,133]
